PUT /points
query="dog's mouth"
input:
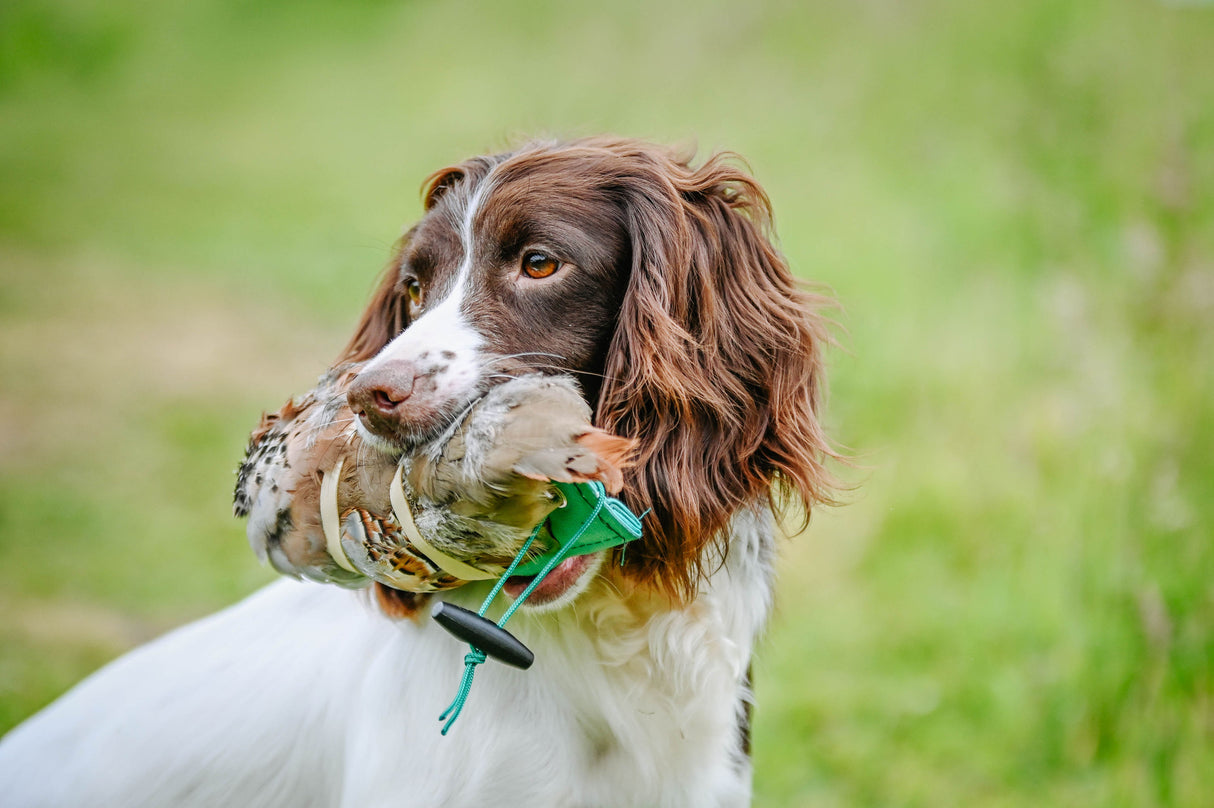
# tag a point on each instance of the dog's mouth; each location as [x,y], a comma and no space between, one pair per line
[566,580]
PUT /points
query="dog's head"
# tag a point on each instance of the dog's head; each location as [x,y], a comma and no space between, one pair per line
[655,284]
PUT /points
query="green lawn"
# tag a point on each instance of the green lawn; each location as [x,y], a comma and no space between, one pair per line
[1014,204]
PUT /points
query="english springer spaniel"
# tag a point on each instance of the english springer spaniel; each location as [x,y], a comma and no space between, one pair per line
[654,282]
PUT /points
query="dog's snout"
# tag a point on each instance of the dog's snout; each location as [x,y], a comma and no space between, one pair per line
[379,393]
[412,396]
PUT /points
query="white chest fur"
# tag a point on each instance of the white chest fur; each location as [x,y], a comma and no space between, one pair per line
[305,695]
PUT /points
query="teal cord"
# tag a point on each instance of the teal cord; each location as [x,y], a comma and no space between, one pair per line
[476,656]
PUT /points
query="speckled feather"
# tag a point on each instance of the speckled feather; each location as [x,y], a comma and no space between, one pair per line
[476,493]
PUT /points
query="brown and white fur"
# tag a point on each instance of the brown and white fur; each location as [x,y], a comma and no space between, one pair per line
[655,284]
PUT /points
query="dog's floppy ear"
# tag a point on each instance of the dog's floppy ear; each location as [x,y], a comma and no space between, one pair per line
[715,368]
[439,183]
[386,315]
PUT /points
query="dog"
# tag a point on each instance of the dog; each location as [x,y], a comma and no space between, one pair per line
[654,282]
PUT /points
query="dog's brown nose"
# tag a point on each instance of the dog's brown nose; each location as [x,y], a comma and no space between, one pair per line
[378,393]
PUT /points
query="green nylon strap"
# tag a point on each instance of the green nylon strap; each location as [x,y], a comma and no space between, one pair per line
[599,520]
[588,522]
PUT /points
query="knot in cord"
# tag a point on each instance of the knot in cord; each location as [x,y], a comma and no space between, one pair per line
[474,657]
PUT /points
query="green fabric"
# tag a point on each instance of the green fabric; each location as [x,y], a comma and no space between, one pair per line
[589,521]
[613,525]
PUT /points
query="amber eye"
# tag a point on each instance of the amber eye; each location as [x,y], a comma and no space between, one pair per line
[414,291]
[539,265]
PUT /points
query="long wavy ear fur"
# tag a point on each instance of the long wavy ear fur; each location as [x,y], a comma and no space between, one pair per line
[715,368]
[386,314]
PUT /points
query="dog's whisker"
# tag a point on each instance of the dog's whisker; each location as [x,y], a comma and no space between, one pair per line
[495,360]
[526,353]
[539,365]
[559,369]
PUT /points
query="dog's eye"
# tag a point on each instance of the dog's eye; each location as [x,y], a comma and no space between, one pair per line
[413,290]
[539,265]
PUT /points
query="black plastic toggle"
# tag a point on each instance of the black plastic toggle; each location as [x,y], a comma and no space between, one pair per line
[486,635]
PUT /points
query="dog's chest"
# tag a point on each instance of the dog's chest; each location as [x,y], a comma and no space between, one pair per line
[644,716]
[623,707]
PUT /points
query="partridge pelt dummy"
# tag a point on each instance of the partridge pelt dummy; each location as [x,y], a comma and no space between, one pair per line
[326,506]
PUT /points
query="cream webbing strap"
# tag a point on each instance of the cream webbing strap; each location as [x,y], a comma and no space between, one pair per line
[404,515]
[328,517]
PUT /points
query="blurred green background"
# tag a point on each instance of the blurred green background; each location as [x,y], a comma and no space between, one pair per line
[1013,202]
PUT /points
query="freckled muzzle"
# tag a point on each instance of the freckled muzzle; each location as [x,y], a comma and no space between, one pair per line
[400,401]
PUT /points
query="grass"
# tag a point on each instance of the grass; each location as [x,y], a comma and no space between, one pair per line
[1014,204]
